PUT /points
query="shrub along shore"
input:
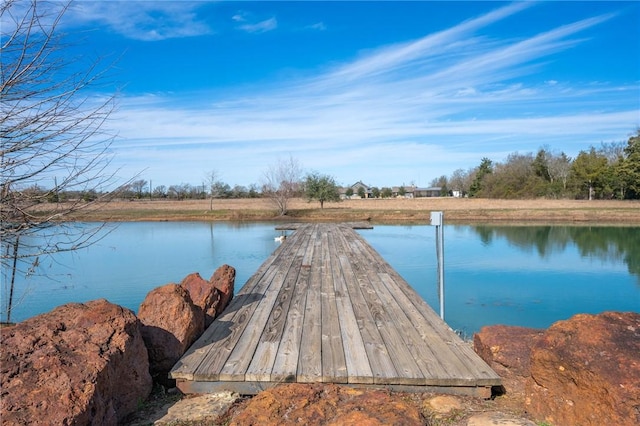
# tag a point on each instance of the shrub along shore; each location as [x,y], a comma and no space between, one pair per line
[397,210]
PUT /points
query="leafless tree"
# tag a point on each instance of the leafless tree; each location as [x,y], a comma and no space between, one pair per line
[614,151]
[51,133]
[559,166]
[211,178]
[460,180]
[160,191]
[138,187]
[281,182]
[179,192]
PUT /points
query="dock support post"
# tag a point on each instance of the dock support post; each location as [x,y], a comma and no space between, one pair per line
[437,221]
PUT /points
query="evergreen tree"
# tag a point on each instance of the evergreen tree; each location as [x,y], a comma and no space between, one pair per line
[629,168]
[485,168]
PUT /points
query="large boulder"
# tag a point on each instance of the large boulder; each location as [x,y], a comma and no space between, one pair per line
[586,371]
[328,404]
[170,324]
[80,364]
[204,295]
[224,279]
[507,348]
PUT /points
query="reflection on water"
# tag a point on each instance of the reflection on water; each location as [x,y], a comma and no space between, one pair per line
[137,257]
[518,275]
[607,243]
[530,276]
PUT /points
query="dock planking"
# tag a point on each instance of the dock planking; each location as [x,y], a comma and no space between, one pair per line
[325,307]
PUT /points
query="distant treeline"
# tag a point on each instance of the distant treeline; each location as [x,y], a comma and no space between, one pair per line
[611,171]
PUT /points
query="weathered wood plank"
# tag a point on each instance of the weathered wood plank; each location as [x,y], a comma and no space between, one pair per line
[271,337]
[285,368]
[468,365]
[239,308]
[233,326]
[261,366]
[236,366]
[334,367]
[418,336]
[356,359]
[310,360]
[447,349]
[388,319]
[421,349]
[252,388]
[439,359]
[433,331]
[286,362]
[379,358]
[294,226]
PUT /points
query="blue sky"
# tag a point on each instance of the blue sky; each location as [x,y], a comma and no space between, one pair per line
[389,93]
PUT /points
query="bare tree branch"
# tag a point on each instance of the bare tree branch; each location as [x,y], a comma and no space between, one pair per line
[52,132]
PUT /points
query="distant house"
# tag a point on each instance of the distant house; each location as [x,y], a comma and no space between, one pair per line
[356,190]
[403,191]
[434,191]
[415,192]
[410,191]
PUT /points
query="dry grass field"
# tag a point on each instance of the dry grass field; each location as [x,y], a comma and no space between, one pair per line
[374,210]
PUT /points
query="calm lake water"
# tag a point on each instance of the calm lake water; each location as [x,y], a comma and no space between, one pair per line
[519,275]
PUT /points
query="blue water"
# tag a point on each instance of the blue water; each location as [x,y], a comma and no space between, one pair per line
[528,276]
[511,280]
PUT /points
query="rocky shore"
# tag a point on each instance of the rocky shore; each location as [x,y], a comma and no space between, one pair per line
[99,364]
[96,363]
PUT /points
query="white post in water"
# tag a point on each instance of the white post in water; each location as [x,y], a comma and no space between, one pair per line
[437,221]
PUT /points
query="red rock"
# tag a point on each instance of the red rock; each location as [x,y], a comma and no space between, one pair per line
[507,349]
[170,324]
[224,279]
[80,364]
[586,371]
[204,295]
[327,404]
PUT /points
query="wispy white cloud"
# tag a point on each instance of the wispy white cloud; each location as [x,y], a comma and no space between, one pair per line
[142,20]
[407,112]
[239,17]
[248,22]
[417,53]
[259,27]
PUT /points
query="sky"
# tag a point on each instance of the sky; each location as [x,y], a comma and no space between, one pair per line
[387,93]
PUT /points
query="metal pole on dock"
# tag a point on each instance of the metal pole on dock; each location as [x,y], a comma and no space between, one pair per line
[438,222]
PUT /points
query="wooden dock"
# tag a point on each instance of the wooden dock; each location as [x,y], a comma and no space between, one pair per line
[325,307]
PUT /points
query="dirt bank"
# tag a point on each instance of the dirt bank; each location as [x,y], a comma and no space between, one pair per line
[374,210]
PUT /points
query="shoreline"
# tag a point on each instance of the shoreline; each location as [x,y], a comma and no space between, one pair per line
[380,211]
